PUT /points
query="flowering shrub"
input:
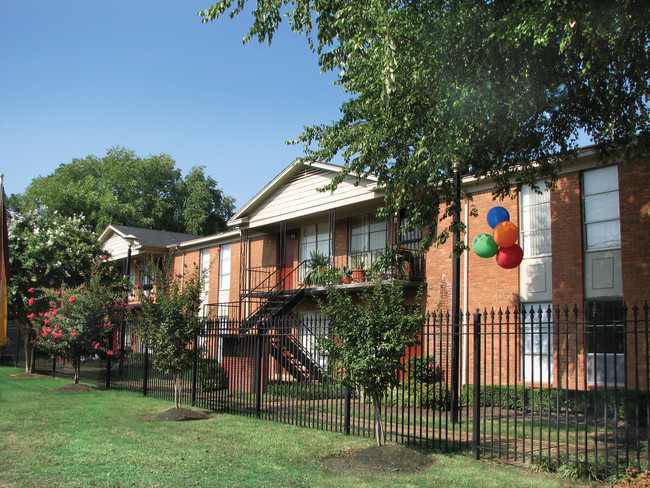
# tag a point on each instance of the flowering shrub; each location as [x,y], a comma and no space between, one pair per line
[79,321]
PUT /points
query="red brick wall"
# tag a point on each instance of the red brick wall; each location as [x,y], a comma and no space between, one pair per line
[634,201]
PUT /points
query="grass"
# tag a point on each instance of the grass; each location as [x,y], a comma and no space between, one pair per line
[70,439]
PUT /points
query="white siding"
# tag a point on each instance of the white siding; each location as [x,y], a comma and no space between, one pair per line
[117,247]
[299,197]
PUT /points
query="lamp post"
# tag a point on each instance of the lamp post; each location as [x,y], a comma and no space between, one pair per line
[455,297]
[130,240]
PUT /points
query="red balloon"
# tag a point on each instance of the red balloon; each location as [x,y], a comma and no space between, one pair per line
[505,234]
[510,257]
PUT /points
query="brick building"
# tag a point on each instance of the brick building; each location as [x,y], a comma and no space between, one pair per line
[583,245]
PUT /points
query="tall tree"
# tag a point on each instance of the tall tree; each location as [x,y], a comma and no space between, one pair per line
[122,188]
[504,87]
[46,251]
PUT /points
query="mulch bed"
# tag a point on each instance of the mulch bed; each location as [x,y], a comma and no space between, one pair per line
[176,415]
[392,458]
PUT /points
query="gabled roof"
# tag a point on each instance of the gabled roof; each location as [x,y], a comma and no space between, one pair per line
[294,193]
[146,237]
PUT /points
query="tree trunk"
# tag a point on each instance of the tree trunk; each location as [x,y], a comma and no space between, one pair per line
[380,432]
[76,364]
[177,388]
[29,348]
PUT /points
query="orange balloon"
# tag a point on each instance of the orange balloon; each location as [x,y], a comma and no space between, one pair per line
[506,234]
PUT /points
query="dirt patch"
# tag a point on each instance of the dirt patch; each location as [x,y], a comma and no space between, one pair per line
[176,415]
[389,458]
[76,387]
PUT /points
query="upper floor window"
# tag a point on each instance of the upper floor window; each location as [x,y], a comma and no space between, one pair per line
[535,222]
[408,238]
[367,237]
[224,267]
[601,211]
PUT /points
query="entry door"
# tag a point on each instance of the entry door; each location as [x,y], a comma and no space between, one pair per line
[288,260]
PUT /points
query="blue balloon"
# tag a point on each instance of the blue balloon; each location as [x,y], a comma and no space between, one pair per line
[496,215]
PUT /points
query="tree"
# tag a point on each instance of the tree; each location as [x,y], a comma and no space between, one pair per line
[124,189]
[46,251]
[503,87]
[169,320]
[81,320]
[367,340]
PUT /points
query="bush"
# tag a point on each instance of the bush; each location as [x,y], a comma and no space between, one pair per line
[305,390]
[423,369]
[433,396]
[210,375]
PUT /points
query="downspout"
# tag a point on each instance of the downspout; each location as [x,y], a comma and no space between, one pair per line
[183,272]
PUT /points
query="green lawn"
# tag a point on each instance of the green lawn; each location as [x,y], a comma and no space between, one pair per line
[65,439]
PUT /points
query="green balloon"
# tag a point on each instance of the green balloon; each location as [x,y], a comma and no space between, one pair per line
[484,246]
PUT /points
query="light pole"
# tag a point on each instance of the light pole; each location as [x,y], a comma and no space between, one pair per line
[130,239]
[455,296]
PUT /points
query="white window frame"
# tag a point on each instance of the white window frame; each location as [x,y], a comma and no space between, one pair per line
[535,222]
[600,197]
[537,343]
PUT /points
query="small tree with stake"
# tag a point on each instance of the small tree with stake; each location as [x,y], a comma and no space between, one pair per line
[368,340]
[169,320]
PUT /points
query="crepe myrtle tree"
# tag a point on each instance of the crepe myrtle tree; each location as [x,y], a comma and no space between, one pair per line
[47,251]
[169,320]
[81,320]
[367,340]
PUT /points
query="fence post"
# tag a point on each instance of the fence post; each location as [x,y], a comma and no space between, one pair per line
[258,372]
[108,364]
[348,404]
[53,366]
[476,414]
[194,371]
[145,379]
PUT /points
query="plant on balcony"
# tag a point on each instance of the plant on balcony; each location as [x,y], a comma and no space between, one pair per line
[389,263]
[346,275]
[358,269]
[319,272]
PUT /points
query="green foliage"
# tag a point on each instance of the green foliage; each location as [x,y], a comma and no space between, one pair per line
[122,188]
[368,339]
[210,375]
[169,321]
[432,396]
[319,272]
[504,87]
[46,251]
[388,263]
[617,404]
[423,369]
[305,390]
[80,320]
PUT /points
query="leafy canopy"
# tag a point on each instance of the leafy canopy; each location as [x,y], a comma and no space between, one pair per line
[124,189]
[505,87]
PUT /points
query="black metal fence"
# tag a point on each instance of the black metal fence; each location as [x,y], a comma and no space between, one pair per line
[564,388]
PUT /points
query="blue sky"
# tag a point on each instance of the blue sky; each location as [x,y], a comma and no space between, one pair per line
[80,76]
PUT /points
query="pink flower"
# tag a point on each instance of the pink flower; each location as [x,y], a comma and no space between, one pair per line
[74,334]
[54,312]
[31,290]
[31,301]
[71,299]
[56,336]
[58,293]
[105,257]
[46,321]
[31,316]
[96,344]
[110,353]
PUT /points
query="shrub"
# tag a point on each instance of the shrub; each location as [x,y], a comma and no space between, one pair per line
[433,396]
[210,375]
[423,369]
[305,390]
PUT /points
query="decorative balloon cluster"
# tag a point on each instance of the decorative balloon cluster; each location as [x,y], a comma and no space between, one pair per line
[502,242]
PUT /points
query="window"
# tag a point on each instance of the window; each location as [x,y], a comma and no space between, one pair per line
[312,326]
[367,236]
[315,237]
[537,322]
[605,342]
[409,239]
[601,212]
[535,222]
[224,268]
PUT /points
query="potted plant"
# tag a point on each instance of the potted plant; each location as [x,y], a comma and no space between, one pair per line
[346,275]
[389,263]
[359,269]
[319,272]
